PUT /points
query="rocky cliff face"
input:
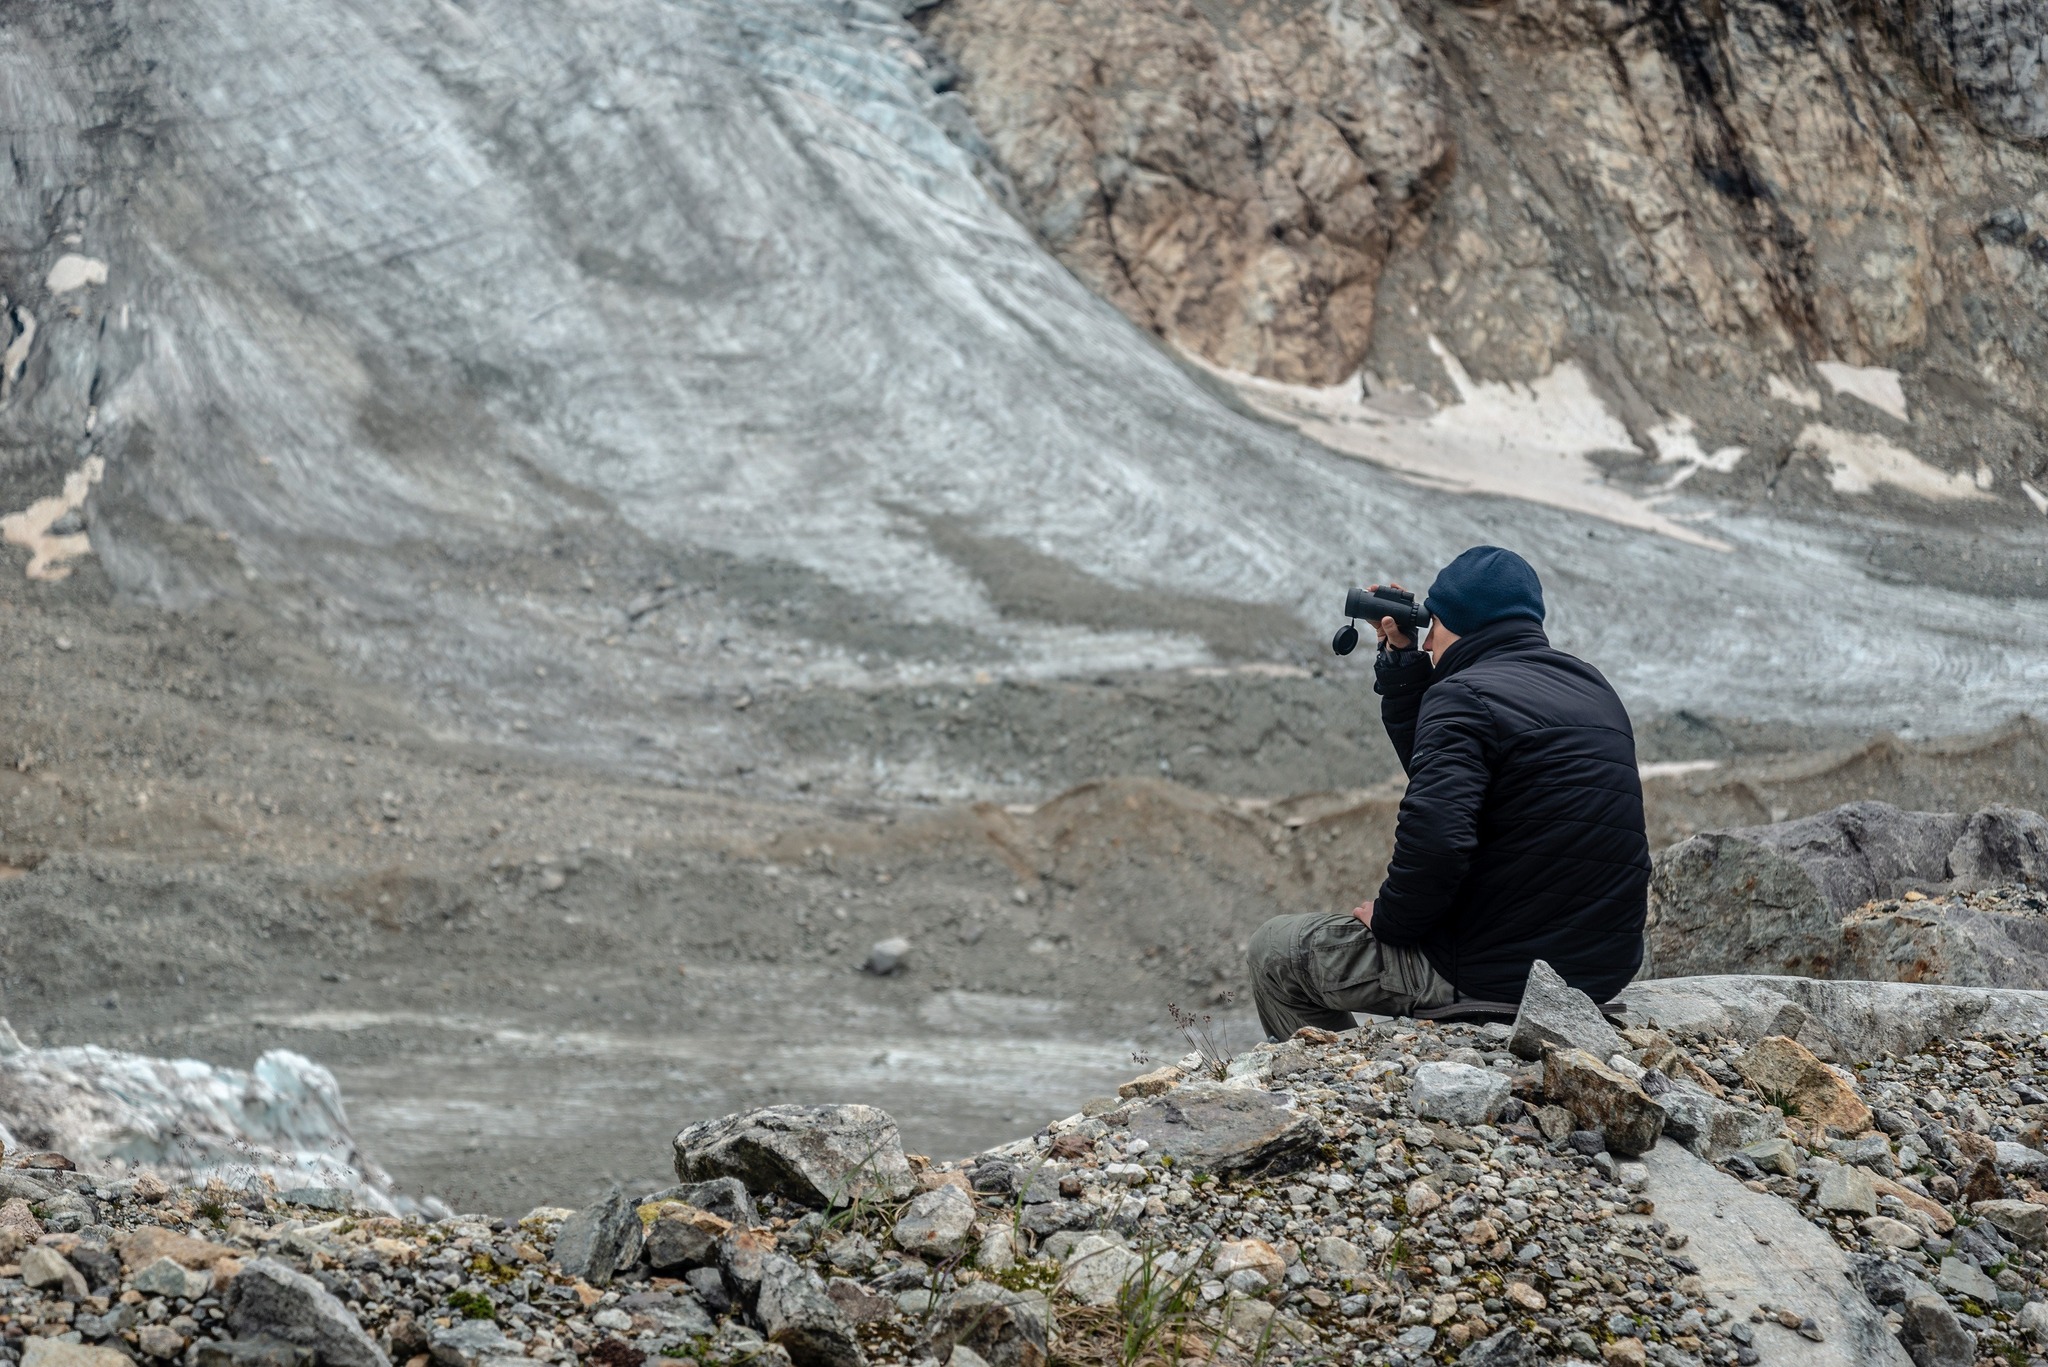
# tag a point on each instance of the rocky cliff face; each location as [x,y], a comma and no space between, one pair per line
[1741,213]
[1230,176]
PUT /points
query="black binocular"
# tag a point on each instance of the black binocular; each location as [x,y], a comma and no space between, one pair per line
[1373,604]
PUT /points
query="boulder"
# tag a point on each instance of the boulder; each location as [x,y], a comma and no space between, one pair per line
[1603,1100]
[796,1313]
[1007,1328]
[1784,1071]
[936,1224]
[1934,1336]
[600,1239]
[266,1298]
[817,1155]
[1863,1019]
[1458,1093]
[165,1277]
[1097,1270]
[1795,898]
[2022,1221]
[1556,1015]
[1212,1127]
[1887,1282]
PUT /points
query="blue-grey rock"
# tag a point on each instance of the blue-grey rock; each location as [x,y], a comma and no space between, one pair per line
[267,1298]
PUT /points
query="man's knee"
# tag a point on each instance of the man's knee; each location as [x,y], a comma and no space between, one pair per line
[1272,948]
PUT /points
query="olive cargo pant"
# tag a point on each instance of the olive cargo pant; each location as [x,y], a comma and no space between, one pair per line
[1318,969]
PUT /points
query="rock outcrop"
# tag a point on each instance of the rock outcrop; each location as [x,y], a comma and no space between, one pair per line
[1846,894]
[1231,177]
[1745,214]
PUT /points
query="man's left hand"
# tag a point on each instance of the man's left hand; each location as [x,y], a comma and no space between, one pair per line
[1364,914]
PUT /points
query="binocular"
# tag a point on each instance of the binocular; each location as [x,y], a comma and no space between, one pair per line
[1373,604]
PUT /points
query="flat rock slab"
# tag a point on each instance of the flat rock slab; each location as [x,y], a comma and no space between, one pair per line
[1212,1127]
[1866,1018]
[1799,1268]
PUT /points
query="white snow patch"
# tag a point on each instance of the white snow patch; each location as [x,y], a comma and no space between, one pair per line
[1860,461]
[1527,441]
[2039,499]
[75,272]
[1784,391]
[1677,444]
[15,358]
[31,526]
[1874,384]
[1675,768]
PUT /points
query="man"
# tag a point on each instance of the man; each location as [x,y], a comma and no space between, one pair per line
[1520,837]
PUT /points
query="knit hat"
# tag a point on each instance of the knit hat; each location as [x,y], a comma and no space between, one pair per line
[1486,584]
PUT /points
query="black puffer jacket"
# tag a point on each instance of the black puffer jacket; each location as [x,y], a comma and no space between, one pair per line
[1521,836]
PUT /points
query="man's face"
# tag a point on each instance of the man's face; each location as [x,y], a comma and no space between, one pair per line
[1439,639]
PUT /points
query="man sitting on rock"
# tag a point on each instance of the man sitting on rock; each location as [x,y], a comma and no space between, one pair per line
[1520,837]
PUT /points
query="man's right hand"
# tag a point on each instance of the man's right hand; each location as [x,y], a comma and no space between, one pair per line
[1389,634]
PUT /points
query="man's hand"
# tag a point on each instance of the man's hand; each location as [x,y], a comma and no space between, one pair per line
[1388,634]
[1364,914]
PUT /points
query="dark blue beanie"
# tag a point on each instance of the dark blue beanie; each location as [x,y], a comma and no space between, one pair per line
[1486,584]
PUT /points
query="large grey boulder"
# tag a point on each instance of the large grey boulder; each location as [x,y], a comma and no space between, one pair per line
[819,1155]
[600,1240]
[795,1312]
[1556,1015]
[268,1298]
[1211,1127]
[1774,899]
[1751,1247]
[1863,1019]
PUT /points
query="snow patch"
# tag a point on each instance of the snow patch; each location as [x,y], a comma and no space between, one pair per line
[1860,461]
[75,272]
[1874,384]
[1676,768]
[2035,496]
[1528,441]
[31,526]
[1677,444]
[1784,391]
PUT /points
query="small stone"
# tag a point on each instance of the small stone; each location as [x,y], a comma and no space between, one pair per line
[887,956]
[1155,1083]
[1421,1199]
[1554,1122]
[1773,1155]
[2020,1220]
[37,1351]
[1211,1127]
[469,1343]
[1458,1093]
[1882,1229]
[159,1341]
[164,1277]
[797,1314]
[1526,1297]
[1097,1270]
[1782,1069]
[1627,1119]
[681,1237]
[1252,1255]
[1847,1191]
[268,1298]
[2034,1321]
[936,1224]
[1555,1015]
[742,1256]
[45,1269]
[1624,1352]
[1931,1334]
[600,1240]
[1965,1279]
[1339,1255]
[1007,1328]
[997,1251]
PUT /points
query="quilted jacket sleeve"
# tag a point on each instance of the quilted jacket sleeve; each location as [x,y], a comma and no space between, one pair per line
[1437,831]
[1400,677]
